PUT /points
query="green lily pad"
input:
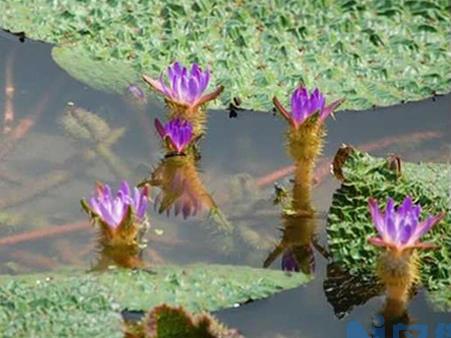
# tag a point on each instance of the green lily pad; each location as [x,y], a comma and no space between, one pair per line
[370,52]
[44,306]
[110,76]
[78,304]
[350,225]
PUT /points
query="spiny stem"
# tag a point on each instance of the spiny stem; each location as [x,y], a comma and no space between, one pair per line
[323,168]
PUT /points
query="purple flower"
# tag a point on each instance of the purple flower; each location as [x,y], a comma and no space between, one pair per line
[185,87]
[178,132]
[289,261]
[113,209]
[401,228]
[305,105]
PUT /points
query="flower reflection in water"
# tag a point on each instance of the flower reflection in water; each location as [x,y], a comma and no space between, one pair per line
[177,134]
[296,246]
[394,313]
[299,229]
[181,187]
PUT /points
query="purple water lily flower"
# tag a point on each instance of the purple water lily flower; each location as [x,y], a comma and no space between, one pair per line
[113,209]
[401,228]
[185,87]
[178,132]
[305,105]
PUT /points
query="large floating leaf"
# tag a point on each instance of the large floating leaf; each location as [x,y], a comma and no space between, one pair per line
[110,75]
[350,225]
[41,306]
[371,52]
[78,304]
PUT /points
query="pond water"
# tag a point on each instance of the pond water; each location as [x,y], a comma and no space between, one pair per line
[44,173]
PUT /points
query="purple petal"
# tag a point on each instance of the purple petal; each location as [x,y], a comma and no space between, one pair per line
[106,215]
[195,71]
[204,79]
[141,211]
[193,89]
[177,68]
[136,198]
[171,73]
[94,204]
[406,207]
[289,262]
[319,99]
[303,105]
[106,192]
[157,85]
[164,88]
[377,217]
[118,209]
[124,188]
[160,128]
[404,234]
[425,226]
[178,88]
[390,219]
[184,89]
[326,111]
[296,105]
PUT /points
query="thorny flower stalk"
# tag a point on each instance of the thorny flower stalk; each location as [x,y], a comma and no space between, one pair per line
[305,136]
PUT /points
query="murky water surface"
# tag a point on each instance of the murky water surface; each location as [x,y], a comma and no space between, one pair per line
[44,172]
